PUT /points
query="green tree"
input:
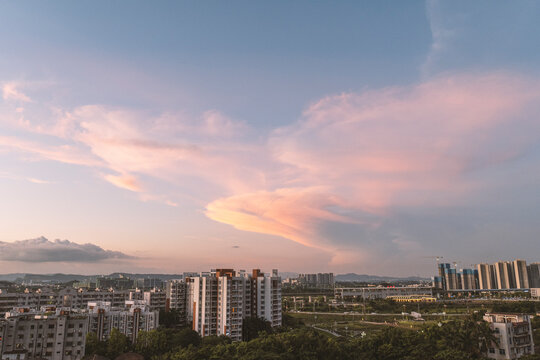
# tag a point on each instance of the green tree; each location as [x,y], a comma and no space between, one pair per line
[169,319]
[117,344]
[151,343]
[253,326]
[184,338]
[94,346]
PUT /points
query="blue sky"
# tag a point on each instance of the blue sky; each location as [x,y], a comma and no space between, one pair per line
[357,136]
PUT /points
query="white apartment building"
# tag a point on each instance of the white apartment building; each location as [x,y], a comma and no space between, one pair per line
[219,301]
[156,299]
[266,292]
[136,316]
[514,336]
[78,298]
[51,334]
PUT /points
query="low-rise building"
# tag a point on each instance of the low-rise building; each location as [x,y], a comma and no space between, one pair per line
[513,334]
[380,292]
[412,298]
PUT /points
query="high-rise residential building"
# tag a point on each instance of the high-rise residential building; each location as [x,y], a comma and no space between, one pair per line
[451,279]
[533,272]
[520,274]
[219,301]
[504,275]
[442,274]
[486,276]
[437,282]
[320,280]
[469,279]
[266,296]
[176,298]
[513,334]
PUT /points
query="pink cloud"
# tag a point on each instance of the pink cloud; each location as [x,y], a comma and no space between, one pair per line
[10,92]
[379,150]
[124,181]
[290,213]
[353,153]
[62,153]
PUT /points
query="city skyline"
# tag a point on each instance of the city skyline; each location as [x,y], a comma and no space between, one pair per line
[362,137]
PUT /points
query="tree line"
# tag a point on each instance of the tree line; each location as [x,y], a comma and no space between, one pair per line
[453,340]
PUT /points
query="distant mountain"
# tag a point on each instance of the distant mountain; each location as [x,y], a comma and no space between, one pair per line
[11,277]
[63,278]
[352,277]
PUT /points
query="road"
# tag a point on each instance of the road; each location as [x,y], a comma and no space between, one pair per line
[359,314]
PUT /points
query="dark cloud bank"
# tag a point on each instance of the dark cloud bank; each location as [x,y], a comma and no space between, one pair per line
[43,250]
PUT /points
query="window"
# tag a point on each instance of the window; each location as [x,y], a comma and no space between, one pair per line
[502,351]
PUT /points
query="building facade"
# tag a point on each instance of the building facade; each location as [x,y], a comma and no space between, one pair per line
[521,275]
[136,316]
[176,298]
[51,334]
[514,336]
[219,301]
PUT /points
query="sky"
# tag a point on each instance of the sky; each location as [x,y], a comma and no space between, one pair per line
[308,136]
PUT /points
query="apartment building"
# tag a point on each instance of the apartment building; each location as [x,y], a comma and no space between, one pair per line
[266,296]
[319,280]
[513,333]
[468,279]
[486,276]
[156,299]
[520,273]
[58,333]
[501,275]
[130,320]
[50,333]
[504,275]
[78,298]
[533,271]
[176,298]
[219,301]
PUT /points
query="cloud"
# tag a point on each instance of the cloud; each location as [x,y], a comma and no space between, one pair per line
[131,144]
[44,250]
[10,92]
[371,154]
[124,181]
[290,213]
[333,180]
[65,153]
